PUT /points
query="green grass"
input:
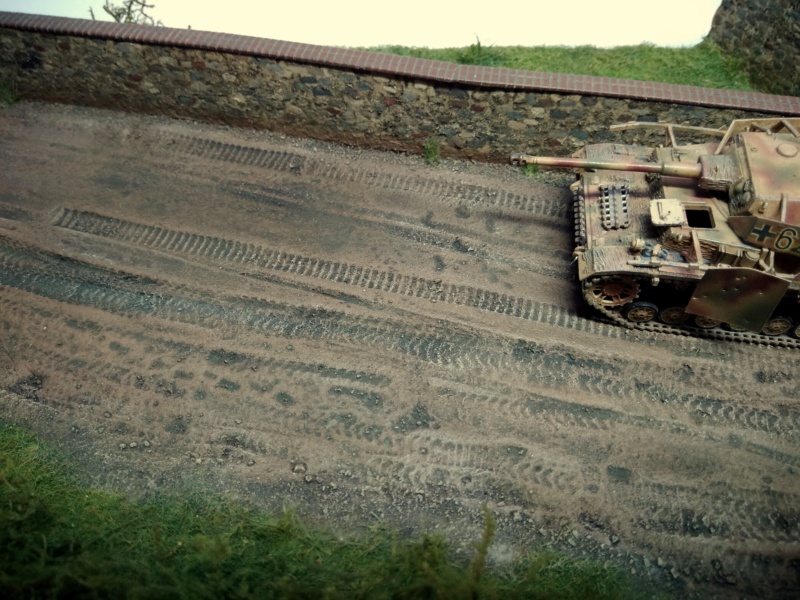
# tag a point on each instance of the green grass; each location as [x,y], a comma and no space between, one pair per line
[431,150]
[60,539]
[7,94]
[701,65]
[530,170]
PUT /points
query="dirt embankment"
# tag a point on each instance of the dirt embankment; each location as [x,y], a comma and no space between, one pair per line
[374,340]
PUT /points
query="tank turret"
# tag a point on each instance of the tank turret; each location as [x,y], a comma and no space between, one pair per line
[699,236]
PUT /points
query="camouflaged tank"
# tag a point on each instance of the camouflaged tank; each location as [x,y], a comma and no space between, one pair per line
[693,238]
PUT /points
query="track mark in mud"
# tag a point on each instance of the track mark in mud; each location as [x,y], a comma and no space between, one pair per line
[10,212]
[282,262]
[561,369]
[80,283]
[433,188]
[251,255]
[246,155]
[716,511]
[288,390]
[769,453]
[284,418]
[345,379]
[551,411]
[220,357]
[714,410]
[421,477]
[120,293]
[556,261]
[500,461]
[530,413]
[281,417]
[704,408]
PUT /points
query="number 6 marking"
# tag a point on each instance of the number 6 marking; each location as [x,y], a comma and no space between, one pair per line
[786,239]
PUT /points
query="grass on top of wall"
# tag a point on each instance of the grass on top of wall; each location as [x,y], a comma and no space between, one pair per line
[701,65]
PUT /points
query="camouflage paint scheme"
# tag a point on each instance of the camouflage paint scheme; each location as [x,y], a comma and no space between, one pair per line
[720,220]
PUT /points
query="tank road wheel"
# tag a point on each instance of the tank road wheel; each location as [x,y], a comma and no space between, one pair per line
[674,315]
[706,322]
[640,312]
[777,326]
[612,291]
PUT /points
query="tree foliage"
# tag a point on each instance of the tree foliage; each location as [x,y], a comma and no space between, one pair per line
[130,11]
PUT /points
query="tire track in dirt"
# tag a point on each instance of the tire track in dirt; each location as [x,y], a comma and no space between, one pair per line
[439,234]
[728,512]
[604,378]
[184,313]
[435,189]
[537,415]
[507,463]
[464,351]
[583,426]
[739,512]
[288,263]
[435,290]
[161,369]
[67,361]
[719,511]
[122,294]
[526,413]
[252,255]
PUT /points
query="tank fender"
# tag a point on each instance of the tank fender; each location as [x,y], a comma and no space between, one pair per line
[741,296]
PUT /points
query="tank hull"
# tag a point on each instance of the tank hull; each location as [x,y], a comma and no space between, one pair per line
[658,252]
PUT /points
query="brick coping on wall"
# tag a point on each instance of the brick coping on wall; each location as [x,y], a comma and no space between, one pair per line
[404,66]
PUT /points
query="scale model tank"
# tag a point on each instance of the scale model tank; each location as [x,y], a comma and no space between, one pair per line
[699,238]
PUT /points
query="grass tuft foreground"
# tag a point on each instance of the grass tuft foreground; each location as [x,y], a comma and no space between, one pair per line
[701,65]
[7,94]
[60,539]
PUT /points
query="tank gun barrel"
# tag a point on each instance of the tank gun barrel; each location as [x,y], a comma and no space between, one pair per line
[692,171]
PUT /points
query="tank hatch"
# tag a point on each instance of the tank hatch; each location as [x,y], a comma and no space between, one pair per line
[667,212]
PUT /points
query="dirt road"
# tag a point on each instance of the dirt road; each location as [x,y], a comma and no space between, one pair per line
[372,339]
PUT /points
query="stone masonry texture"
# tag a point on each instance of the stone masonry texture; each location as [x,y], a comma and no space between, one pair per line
[346,96]
[765,36]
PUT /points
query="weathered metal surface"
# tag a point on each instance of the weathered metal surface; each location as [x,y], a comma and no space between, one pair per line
[725,214]
[741,297]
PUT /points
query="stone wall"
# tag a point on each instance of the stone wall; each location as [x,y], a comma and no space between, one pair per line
[350,105]
[765,36]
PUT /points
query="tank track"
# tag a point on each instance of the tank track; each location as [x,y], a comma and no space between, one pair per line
[717,333]
[615,316]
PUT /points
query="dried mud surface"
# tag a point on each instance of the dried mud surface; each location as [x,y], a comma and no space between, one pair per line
[374,340]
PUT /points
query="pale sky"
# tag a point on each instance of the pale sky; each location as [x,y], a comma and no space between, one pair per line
[425,23]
